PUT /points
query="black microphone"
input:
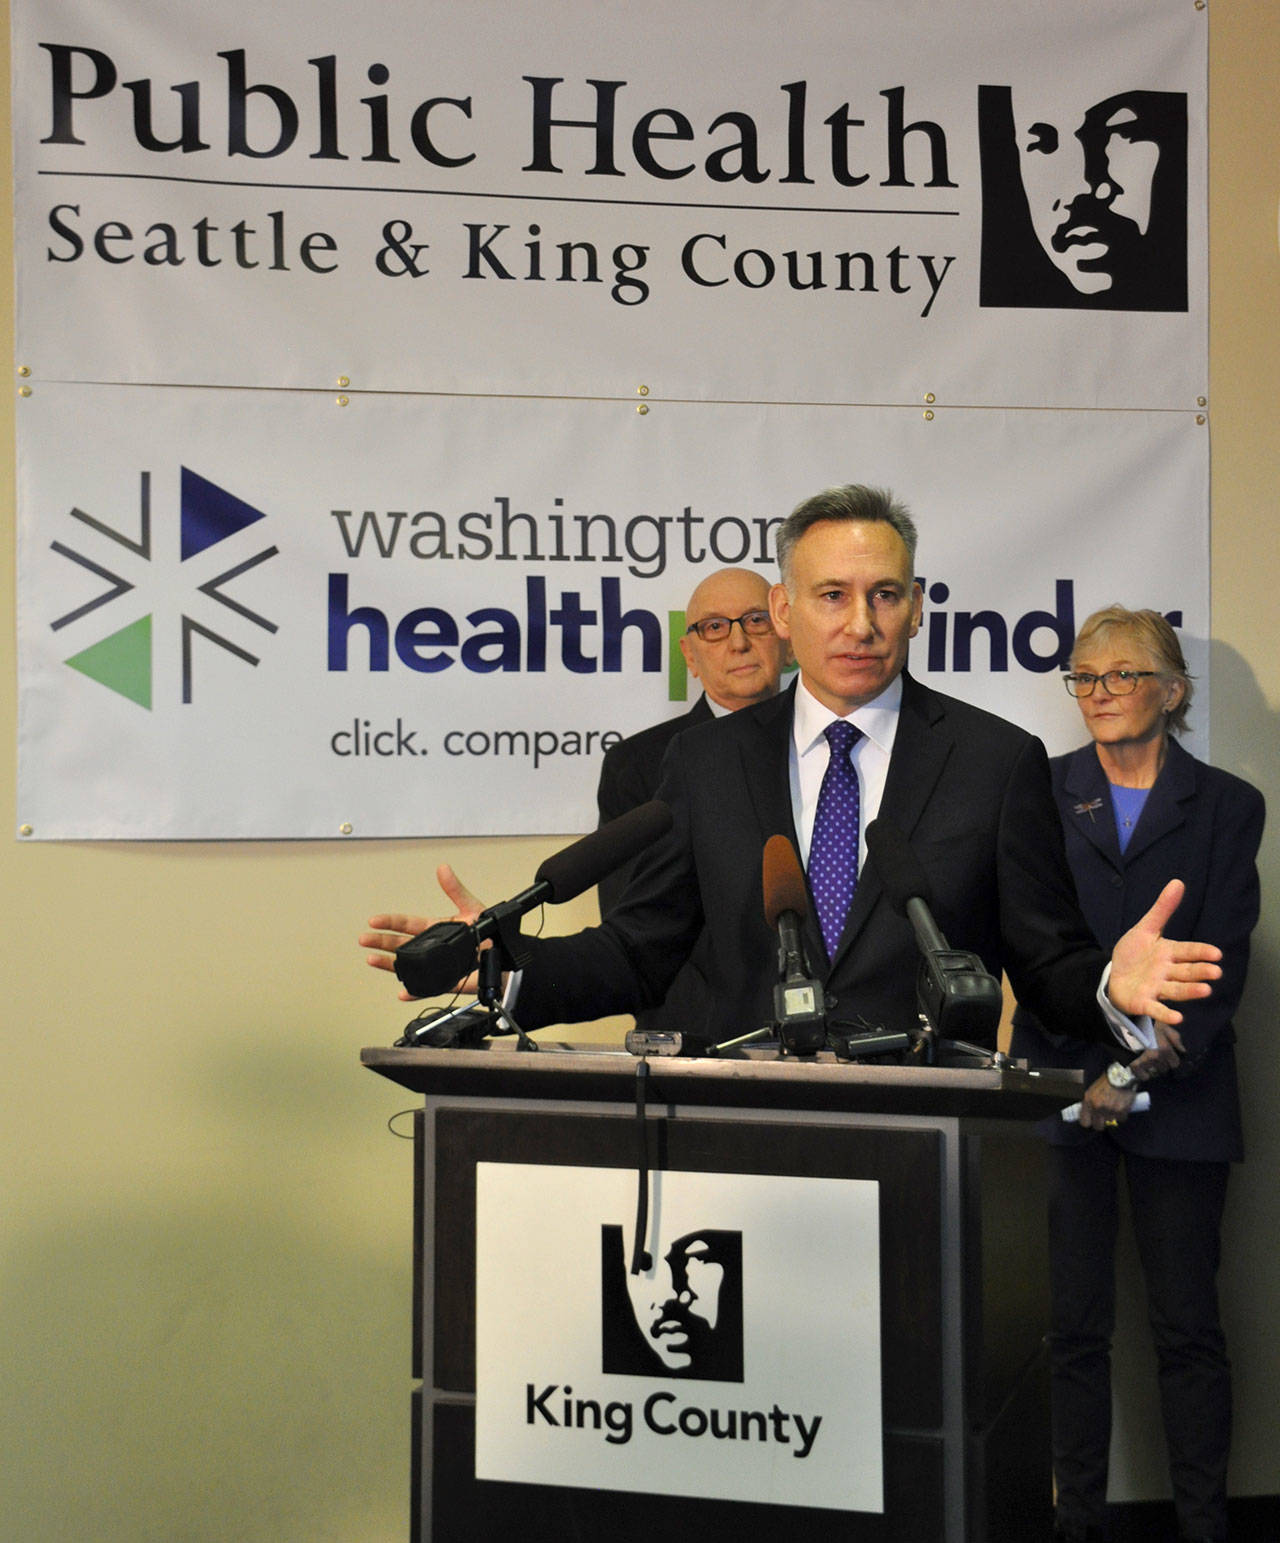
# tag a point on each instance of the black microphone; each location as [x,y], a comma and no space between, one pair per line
[799,1006]
[435,960]
[956,994]
[567,873]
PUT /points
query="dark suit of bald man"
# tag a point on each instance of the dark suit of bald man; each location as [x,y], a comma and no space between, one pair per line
[629,777]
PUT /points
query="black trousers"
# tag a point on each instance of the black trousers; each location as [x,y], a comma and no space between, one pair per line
[1177,1216]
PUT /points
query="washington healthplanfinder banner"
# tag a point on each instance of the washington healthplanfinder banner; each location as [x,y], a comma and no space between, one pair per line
[389,380]
[260,614]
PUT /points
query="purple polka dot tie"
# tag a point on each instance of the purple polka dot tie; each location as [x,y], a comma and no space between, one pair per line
[833,851]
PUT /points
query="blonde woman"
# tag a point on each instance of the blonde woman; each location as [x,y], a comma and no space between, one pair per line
[1137,809]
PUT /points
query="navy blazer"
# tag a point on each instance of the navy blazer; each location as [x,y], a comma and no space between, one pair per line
[970,792]
[1204,826]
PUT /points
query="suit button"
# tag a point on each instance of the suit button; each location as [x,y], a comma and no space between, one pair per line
[1116,881]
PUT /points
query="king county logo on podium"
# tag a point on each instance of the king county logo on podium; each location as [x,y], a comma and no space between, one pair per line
[122,660]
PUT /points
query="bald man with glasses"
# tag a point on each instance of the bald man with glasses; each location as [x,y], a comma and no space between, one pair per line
[729,646]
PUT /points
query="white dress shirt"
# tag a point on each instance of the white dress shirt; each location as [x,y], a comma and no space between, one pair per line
[810,753]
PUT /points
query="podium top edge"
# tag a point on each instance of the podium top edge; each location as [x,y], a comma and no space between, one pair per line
[607,1074]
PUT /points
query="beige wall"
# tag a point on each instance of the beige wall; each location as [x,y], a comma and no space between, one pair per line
[206,1287]
[1244,333]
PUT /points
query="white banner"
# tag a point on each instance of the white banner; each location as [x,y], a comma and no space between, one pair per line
[989,202]
[701,1375]
[265,614]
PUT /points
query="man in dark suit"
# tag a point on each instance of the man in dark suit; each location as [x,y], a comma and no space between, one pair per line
[969,791]
[730,646]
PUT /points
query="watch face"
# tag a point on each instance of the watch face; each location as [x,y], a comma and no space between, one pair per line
[1120,1076]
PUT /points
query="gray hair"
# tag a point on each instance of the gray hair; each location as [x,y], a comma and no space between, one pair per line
[1153,633]
[853,501]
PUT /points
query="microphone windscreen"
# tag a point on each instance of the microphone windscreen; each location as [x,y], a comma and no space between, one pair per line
[437,959]
[588,861]
[783,881]
[901,872]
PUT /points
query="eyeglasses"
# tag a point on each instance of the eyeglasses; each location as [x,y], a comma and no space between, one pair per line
[1115,682]
[716,629]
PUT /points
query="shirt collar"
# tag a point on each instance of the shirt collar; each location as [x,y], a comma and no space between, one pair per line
[878,719]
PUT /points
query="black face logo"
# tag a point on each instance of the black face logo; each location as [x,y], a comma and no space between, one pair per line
[1084,205]
[682,1317]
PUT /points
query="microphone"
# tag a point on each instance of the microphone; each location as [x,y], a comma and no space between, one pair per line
[435,960]
[957,996]
[799,1007]
[786,903]
[567,873]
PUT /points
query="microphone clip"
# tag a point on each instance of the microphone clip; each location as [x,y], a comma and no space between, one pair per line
[800,1015]
[957,996]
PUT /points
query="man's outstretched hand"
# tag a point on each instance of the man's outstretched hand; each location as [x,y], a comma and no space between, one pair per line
[390,930]
[1148,971]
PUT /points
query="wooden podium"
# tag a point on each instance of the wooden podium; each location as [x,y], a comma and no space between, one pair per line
[963,1272]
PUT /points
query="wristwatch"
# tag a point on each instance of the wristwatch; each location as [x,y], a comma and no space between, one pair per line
[1121,1076]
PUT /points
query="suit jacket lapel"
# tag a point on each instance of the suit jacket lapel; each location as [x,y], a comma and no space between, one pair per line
[765,759]
[1163,810]
[1087,807]
[921,748]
